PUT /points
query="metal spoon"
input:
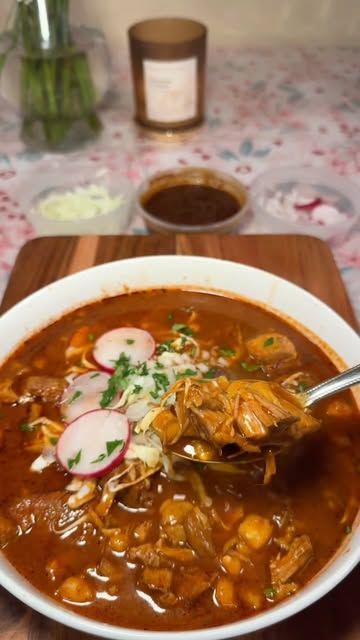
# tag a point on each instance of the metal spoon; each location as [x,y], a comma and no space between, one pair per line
[185,450]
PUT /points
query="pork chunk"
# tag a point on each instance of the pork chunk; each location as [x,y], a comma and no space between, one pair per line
[45,388]
[284,567]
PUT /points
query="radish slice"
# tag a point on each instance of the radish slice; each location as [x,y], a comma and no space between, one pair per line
[308,204]
[84,394]
[94,443]
[138,345]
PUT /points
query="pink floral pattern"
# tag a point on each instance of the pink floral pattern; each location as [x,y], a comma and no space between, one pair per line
[265,108]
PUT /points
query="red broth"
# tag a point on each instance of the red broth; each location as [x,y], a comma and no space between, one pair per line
[186,549]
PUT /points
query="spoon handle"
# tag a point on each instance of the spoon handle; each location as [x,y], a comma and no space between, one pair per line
[344,380]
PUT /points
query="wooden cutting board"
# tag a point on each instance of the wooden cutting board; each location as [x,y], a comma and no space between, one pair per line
[302,259]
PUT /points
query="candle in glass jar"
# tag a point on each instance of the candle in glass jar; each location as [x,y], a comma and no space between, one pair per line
[168,68]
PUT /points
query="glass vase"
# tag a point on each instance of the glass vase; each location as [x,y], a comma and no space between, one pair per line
[57,93]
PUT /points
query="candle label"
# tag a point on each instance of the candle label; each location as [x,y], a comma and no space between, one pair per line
[170,89]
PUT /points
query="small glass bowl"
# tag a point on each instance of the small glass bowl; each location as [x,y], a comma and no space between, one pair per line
[61,176]
[325,184]
[191,176]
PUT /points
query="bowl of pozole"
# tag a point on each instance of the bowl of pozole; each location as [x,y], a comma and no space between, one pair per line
[102,526]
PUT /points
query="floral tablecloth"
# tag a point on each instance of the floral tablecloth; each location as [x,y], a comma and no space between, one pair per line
[265,108]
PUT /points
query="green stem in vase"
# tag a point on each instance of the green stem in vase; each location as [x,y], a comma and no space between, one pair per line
[49,83]
[65,74]
[57,89]
[82,71]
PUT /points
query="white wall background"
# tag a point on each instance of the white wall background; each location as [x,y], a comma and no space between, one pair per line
[242,22]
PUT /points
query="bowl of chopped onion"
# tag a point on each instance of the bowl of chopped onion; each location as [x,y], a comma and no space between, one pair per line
[75,198]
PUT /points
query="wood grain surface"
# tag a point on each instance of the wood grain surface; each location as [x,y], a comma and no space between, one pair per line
[304,260]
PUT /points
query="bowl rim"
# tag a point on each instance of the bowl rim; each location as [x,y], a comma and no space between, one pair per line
[344,559]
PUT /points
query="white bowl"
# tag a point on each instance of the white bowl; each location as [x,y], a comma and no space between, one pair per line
[310,315]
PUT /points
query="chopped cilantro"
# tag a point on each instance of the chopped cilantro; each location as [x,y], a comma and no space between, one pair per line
[137,388]
[112,445]
[212,373]
[182,328]
[269,341]
[119,380]
[122,362]
[72,462]
[227,352]
[165,346]
[143,369]
[249,366]
[184,374]
[170,316]
[270,593]
[161,384]
[53,441]
[348,529]
[26,427]
[75,396]
[130,341]
[95,375]
[302,386]
[100,458]
[161,379]
[158,365]
[91,337]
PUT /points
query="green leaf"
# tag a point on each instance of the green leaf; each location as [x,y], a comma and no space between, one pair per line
[165,347]
[212,373]
[227,352]
[130,341]
[161,384]
[112,445]
[91,337]
[26,427]
[170,317]
[72,462]
[269,341]
[137,388]
[100,458]
[161,379]
[249,366]
[53,441]
[186,373]
[119,380]
[76,396]
[143,370]
[95,375]
[348,529]
[270,593]
[182,328]
[302,386]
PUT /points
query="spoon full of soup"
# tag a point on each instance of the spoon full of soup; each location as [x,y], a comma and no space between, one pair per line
[241,420]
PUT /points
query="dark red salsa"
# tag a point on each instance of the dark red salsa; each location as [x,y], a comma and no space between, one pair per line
[192,204]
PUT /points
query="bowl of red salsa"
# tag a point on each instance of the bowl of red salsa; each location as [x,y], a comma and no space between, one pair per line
[192,200]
